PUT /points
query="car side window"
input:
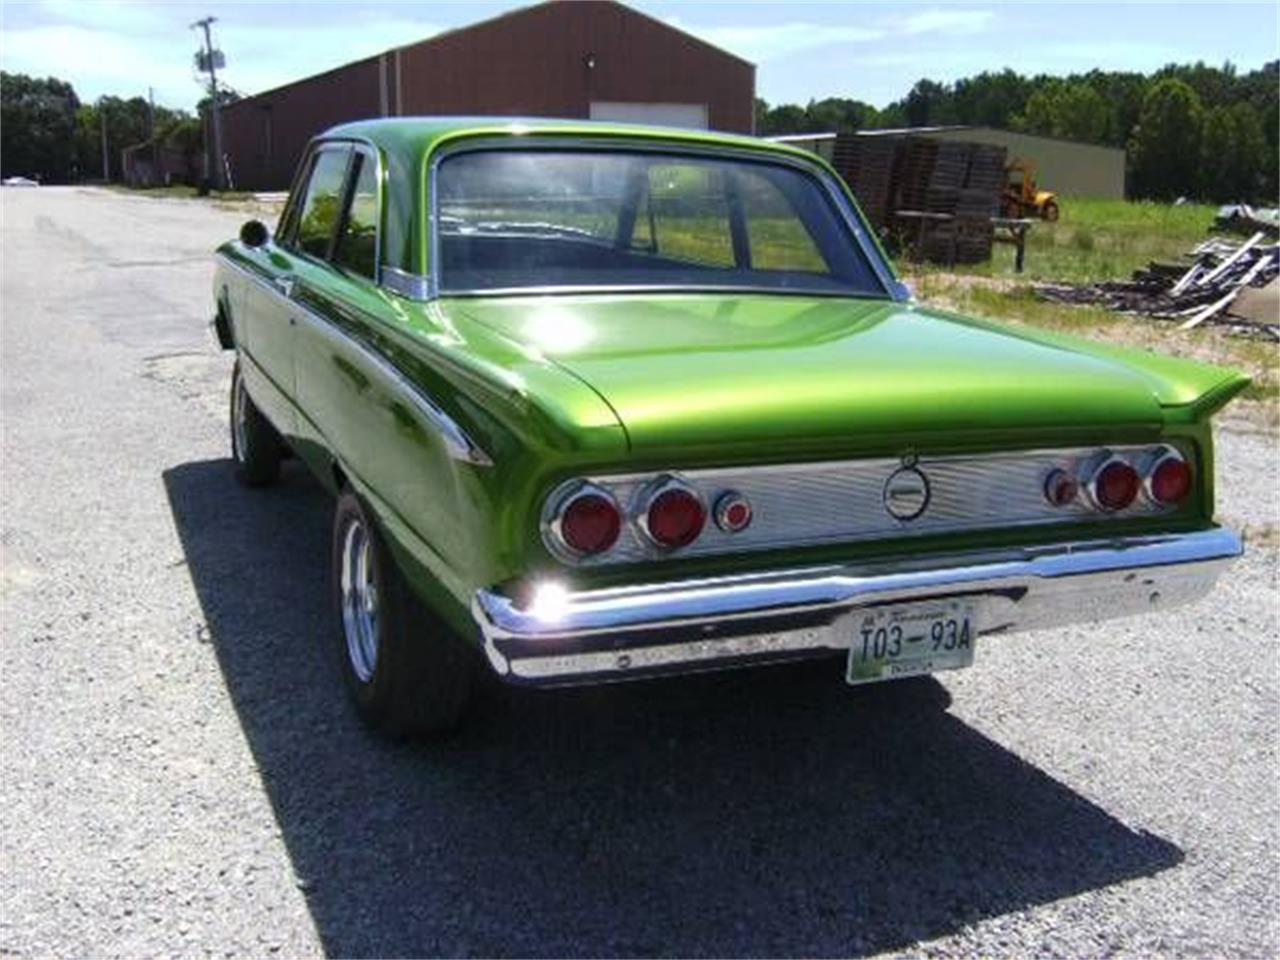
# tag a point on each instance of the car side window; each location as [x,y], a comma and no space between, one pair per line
[357,248]
[779,238]
[322,203]
[689,214]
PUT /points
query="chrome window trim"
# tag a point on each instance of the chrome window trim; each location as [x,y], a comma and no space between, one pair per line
[313,152]
[456,442]
[355,144]
[369,152]
[414,286]
[892,289]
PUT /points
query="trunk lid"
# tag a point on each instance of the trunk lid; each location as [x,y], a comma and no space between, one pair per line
[713,370]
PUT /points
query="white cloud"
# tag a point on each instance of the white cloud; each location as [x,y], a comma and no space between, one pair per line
[100,54]
[945,21]
[259,58]
[760,44]
[765,42]
[114,15]
[98,62]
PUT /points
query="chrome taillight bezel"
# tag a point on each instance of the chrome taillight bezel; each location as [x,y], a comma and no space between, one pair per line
[553,518]
[1091,484]
[1058,479]
[645,499]
[725,503]
[1163,455]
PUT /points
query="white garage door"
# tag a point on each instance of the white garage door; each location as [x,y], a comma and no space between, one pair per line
[664,114]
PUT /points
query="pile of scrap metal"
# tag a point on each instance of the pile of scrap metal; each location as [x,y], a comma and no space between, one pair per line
[1229,284]
[1242,218]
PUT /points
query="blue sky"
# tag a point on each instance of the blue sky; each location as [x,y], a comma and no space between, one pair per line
[870,51]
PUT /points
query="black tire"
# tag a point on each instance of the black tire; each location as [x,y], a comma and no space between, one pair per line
[1049,212]
[256,447]
[406,672]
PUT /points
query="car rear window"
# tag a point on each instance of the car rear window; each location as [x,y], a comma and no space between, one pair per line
[515,219]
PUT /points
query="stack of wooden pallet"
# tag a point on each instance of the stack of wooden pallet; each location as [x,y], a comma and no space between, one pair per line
[957,184]
[966,182]
[868,165]
[1221,272]
[915,168]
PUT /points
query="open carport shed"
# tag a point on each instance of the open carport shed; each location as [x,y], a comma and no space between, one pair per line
[561,59]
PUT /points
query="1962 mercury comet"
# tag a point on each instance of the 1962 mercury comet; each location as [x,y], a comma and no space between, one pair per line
[601,402]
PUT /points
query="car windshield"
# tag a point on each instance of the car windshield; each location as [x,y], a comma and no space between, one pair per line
[538,218]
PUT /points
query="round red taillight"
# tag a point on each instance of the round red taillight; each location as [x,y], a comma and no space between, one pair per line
[1060,488]
[733,512]
[1170,481]
[1115,486]
[675,517]
[590,523]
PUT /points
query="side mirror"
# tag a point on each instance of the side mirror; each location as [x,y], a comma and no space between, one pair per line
[254,233]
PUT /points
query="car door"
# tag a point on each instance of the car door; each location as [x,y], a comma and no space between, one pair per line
[301,245]
[362,408]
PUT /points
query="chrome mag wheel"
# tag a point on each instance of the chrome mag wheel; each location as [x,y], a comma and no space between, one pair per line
[359,599]
[239,419]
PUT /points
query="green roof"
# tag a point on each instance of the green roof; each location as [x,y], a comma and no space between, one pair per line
[413,137]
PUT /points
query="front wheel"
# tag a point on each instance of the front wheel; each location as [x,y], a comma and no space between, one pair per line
[255,446]
[405,671]
[1049,212]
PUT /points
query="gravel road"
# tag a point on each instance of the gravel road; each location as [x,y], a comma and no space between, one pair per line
[179,773]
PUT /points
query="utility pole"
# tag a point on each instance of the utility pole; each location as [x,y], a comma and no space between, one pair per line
[151,134]
[106,166]
[209,60]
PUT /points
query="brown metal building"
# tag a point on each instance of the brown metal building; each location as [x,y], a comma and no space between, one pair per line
[597,59]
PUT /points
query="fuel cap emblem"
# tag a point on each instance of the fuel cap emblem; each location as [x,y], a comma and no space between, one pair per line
[906,493]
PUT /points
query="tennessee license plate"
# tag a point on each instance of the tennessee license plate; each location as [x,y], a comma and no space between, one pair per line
[908,639]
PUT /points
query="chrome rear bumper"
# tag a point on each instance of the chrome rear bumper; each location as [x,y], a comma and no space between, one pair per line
[617,633]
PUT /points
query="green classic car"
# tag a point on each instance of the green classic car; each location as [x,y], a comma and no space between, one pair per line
[601,402]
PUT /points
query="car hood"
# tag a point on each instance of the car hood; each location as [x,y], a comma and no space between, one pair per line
[721,370]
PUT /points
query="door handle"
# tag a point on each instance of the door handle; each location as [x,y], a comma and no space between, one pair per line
[284,284]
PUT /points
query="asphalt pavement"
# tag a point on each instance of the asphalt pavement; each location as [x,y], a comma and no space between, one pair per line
[180,772]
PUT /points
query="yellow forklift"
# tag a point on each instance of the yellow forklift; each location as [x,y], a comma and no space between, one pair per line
[1021,196]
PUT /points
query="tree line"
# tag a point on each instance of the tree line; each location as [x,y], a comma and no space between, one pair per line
[47,133]
[1189,130]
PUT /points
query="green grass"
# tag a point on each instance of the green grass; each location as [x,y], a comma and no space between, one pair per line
[1099,240]
[181,191]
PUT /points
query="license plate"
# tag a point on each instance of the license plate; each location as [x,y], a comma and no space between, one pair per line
[908,639]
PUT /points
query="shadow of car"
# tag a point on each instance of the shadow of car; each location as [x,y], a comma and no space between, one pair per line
[743,813]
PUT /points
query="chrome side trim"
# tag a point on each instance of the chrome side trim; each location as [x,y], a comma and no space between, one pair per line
[411,285]
[248,274]
[616,633]
[854,223]
[456,441]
